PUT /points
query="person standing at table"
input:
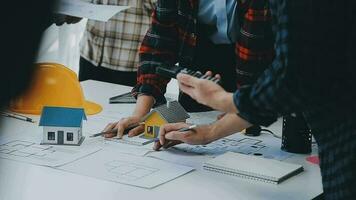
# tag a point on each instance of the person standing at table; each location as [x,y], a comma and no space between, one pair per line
[231,38]
[304,77]
[109,50]
[20,47]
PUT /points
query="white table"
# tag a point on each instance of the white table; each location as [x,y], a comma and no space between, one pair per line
[24,181]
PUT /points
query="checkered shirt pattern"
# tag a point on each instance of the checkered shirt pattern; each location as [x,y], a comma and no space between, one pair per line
[314,73]
[173,36]
[115,44]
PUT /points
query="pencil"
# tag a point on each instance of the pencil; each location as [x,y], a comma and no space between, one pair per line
[17,116]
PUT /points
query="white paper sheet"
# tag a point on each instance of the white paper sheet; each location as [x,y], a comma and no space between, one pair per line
[88,10]
[138,171]
[127,148]
[136,141]
[45,155]
[179,157]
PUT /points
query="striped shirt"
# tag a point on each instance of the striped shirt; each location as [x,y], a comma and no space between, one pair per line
[115,44]
[314,73]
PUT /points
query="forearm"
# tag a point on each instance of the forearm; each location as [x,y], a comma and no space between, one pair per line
[223,101]
[226,103]
[228,125]
[143,105]
[158,47]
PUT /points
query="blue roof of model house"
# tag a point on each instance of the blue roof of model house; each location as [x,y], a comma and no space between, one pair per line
[63,117]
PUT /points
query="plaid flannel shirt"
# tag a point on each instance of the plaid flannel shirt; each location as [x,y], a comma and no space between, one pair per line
[255,44]
[173,34]
[115,44]
[314,73]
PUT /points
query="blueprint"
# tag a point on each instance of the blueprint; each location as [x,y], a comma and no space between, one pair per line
[46,155]
[139,140]
[177,156]
[127,169]
[265,146]
[128,148]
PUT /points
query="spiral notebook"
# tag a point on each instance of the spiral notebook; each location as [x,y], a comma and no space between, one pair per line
[252,167]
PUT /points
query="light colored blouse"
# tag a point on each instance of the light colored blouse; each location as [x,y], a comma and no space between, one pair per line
[221,14]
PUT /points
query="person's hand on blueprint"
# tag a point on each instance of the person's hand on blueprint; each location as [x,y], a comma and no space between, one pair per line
[203,134]
[143,106]
[207,92]
[170,136]
[117,129]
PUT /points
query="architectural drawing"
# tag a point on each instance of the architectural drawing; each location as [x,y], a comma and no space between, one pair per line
[238,144]
[244,145]
[129,171]
[31,152]
[112,165]
[26,149]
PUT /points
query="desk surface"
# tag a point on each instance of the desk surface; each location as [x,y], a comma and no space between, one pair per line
[24,181]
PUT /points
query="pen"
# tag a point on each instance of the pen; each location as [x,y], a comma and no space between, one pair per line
[115,130]
[17,116]
[181,130]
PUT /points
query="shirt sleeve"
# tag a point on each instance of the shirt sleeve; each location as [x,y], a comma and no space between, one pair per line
[158,47]
[150,5]
[303,74]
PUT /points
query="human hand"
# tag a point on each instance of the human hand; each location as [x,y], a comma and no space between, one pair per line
[143,106]
[170,136]
[202,134]
[206,92]
[123,124]
[220,116]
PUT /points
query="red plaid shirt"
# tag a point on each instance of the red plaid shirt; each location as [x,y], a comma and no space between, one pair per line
[173,34]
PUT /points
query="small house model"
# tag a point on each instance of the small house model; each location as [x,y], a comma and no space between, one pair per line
[172,112]
[62,126]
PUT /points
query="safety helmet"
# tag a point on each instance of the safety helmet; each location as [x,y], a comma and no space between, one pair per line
[53,85]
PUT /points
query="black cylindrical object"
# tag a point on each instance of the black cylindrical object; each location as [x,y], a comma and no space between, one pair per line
[253,131]
[296,135]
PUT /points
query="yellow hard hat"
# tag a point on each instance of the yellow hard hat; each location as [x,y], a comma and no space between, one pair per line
[53,85]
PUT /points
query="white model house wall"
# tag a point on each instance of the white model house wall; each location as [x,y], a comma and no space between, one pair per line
[80,132]
[75,130]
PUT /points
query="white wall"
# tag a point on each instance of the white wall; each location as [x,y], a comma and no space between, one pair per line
[60,44]
[47,129]
[45,135]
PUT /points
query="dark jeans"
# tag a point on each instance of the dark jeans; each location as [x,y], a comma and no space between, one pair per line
[88,71]
[220,59]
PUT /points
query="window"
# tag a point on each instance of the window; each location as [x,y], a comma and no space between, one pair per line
[51,136]
[150,130]
[69,136]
